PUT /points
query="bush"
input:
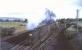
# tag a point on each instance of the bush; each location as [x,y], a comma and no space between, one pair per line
[70,35]
[6,31]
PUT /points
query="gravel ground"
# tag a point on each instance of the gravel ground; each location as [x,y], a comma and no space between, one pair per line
[5,45]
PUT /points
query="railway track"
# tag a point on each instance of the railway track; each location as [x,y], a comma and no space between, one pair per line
[38,45]
[21,46]
[12,41]
[22,41]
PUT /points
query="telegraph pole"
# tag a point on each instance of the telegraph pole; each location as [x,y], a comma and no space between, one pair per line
[77,18]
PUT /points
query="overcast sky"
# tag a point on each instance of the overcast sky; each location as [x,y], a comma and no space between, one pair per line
[36,8]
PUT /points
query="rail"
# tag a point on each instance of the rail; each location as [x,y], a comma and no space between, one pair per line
[53,29]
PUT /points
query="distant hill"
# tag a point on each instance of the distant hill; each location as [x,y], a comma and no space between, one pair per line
[11,19]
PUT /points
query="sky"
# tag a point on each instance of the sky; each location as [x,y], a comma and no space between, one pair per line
[34,10]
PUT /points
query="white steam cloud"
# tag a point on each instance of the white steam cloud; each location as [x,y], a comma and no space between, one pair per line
[35,20]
